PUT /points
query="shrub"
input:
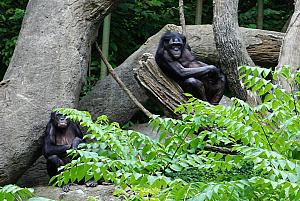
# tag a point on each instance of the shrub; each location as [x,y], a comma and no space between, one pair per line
[239,152]
[12,192]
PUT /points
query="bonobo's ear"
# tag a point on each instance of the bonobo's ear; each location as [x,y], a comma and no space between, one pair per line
[183,39]
[53,114]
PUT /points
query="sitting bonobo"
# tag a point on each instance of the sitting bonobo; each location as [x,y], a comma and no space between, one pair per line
[175,59]
[61,134]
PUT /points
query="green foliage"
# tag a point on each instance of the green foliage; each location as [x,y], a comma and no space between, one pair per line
[11,15]
[12,192]
[275,14]
[90,82]
[208,175]
[262,161]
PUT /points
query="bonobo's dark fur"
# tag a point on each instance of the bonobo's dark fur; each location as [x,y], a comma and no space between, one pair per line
[203,81]
[61,134]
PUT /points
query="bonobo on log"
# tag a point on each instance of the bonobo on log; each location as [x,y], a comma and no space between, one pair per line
[61,134]
[175,59]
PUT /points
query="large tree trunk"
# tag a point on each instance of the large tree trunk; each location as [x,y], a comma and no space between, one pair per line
[290,50]
[230,44]
[107,98]
[46,71]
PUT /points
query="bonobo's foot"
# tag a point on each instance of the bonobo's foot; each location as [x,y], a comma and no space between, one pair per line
[91,183]
[214,103]
[66,188]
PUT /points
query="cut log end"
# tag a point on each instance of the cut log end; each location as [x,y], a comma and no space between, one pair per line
[166,90]
[150,76]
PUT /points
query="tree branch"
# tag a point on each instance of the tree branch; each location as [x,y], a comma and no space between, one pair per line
[121,84]
[223,150]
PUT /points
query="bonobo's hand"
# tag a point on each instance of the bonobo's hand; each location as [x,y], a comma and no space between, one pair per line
[76,142]
[68,146]
[66,188]
[61,162]
[213,70]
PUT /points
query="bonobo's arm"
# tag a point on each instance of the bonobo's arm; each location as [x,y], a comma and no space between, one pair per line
[78,135]
[188,60]
[77,130]
[50,148]
[76,142]
[185,73]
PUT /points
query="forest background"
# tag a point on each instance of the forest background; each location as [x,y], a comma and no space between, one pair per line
[134,21]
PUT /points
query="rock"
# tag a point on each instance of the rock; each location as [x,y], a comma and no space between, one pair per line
[36,175]
[76,193]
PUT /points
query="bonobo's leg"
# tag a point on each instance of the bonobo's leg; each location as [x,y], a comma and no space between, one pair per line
[53,162]
[215,90]
[91,183]
[194,87]
[66,188]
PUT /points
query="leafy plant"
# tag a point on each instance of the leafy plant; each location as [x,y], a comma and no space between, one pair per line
[11,15]
[12,192]
[251,152]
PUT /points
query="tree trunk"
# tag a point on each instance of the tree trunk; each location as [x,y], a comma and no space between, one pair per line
[46,71]
[290,50]
[107,98]
[181,15]
[230,45]
[263,46]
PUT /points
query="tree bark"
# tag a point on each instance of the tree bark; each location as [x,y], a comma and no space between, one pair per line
[46,71]
[290,50]
[166,90]
[230,45]
[107,97]
[181,15]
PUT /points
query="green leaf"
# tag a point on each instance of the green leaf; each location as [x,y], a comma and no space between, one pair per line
[175,167]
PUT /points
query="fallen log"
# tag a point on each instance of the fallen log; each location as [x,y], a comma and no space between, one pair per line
[109,99]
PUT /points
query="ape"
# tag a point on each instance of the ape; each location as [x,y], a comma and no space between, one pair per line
[61,134]
[175,59]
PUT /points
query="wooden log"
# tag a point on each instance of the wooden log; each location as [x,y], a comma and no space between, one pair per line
[168,92]
[263,47]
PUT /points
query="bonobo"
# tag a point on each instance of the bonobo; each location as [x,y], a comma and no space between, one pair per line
[61,134]
[175,59]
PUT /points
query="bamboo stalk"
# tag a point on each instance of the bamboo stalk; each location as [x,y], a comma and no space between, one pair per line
[260,13]
[199,11]
[105,44]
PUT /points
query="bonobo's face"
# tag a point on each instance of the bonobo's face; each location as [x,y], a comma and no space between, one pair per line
[59,120]
[174,47]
